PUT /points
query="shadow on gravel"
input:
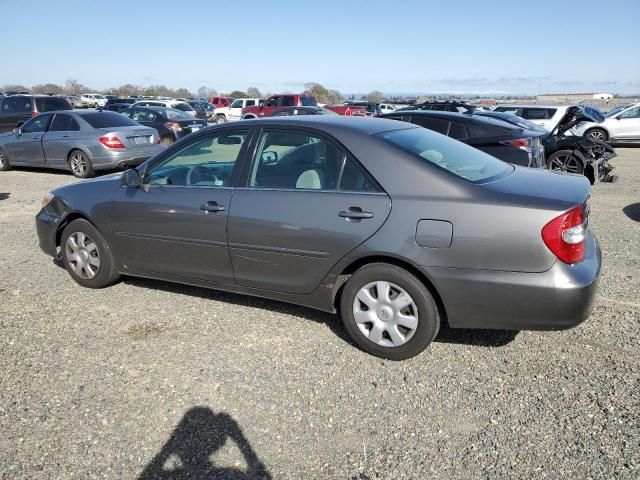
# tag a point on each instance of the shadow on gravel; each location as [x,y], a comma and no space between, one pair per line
[4,195]
[332,321]
[187,454]
[632,211]
[476,337]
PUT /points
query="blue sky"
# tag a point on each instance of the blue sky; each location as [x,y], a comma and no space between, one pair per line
[353,46]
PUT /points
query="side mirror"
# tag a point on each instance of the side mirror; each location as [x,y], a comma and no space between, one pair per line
[130,178]
[17,131]
[269,157]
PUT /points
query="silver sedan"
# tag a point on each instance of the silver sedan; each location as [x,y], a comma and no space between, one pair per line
[82,142]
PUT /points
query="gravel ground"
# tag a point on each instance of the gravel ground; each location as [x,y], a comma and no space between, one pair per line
[152,380]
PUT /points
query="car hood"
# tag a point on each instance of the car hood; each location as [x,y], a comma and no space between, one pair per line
[575,115]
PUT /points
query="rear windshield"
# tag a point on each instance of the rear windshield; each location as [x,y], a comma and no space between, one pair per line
[185,107]
[173,114]
[453,156]
[108,120]
[50,104]
[308,102]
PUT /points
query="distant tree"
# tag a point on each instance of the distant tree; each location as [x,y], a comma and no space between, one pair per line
[253,92]
[47,88]
[15,88]
[322,94]
[182,93]
[73,87]
[203,92]
[238,94]
[374,96]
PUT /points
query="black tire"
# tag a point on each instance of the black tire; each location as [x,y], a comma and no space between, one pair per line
[5,165]
[80,165]
[106,273]
[597,134]
[220,119]
[565,161]
[427,311]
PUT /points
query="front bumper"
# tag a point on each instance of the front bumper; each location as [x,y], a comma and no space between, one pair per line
[47,224]
[560,298]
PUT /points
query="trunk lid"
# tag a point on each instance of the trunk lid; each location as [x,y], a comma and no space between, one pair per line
[134,137]
[545,184]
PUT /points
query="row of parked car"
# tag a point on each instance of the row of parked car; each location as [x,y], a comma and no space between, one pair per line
[532,136]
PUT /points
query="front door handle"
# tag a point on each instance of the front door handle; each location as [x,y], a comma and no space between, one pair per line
[355,214]
[212,206]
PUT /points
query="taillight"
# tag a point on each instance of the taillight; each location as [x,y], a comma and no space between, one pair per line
[111,141]
[523,144]
[565,235]
[34,114]
[173,126]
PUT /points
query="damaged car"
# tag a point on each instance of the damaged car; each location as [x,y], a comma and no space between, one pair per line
[569,153]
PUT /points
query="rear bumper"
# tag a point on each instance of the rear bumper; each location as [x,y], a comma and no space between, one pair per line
[560,298]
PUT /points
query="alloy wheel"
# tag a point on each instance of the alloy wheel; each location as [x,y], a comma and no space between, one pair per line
[78,163]
[385,313]
[82,255]
[2,159]
[596,135]
[566,163]
[220,120]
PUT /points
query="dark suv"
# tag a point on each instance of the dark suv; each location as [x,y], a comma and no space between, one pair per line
[442,106]
[17,109]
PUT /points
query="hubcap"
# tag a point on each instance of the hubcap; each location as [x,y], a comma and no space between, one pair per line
[78,163]
[566,163]
[82,255]
[385,314]
[1,159]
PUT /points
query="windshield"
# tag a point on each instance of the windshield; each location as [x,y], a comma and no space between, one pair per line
[308,101]
[99,96]
[453,156]
[616,110]
[185,107]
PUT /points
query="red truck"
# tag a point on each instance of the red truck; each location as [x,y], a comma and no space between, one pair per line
[219,102]
[280,102]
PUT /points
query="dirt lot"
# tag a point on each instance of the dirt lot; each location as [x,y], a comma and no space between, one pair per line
[152,380]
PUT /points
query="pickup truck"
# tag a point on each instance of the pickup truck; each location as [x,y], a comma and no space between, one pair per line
[234,111]
[348,110]
[278,102]
[221,101]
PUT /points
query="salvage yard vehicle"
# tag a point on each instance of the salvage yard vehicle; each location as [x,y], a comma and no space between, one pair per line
[219,102]
[277,102]
[441,106]
[80,141]
[621,126]
[302,209]
[171,124]
[303,111]
[569,153]
[175,104]
[233,112]
[94,100]
[547,116]
[510,143]
[17,109]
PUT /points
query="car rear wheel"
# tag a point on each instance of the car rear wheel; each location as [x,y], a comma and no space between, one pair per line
[388,312]
[4,162]
[87,256]
[597,134]
[80,165]
[220,120]
[565,161]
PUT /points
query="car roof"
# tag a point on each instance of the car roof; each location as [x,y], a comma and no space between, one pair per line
[519,105]
[364,125]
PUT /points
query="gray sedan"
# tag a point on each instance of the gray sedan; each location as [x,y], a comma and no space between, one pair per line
[396,227]
[82,142]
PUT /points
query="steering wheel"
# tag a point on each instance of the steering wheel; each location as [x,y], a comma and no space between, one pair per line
[199,173]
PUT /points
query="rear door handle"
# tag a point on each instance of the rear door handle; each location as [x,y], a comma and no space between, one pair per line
[355,214]
[212,206]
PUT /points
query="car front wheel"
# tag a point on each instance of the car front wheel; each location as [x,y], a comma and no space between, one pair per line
[87,256]
[597,134]
[4,162]
[565,161]
[388,312]
[220,120]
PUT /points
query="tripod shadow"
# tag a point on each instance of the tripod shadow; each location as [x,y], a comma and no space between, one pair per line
[187,453]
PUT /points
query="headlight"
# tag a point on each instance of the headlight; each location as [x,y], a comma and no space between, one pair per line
[47,199]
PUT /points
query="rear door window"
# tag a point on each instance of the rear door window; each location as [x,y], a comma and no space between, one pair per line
[64,123]
[308,101]
[435,124]
[287,101]
[458,131]
[17,106]
[355,180]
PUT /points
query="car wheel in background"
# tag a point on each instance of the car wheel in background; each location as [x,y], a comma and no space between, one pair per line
[388,312]
[87,256]
[597,134]
[4,162]
[220,120]
[166,140]
[80,165]
[565,161]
